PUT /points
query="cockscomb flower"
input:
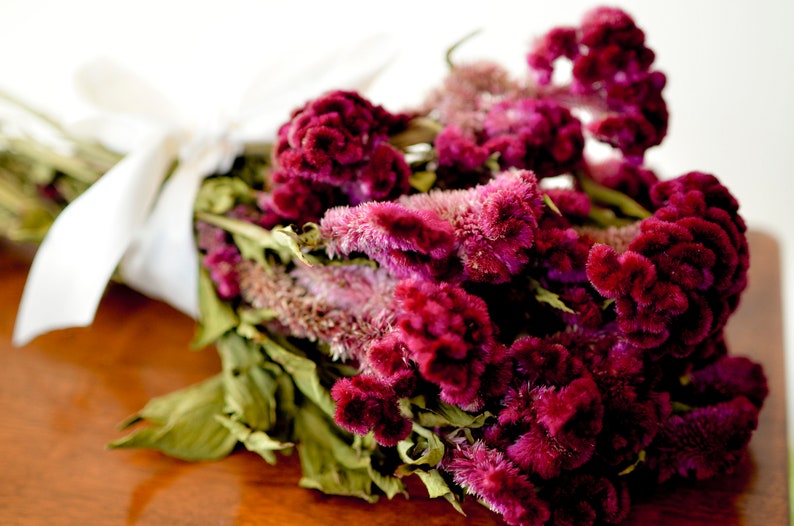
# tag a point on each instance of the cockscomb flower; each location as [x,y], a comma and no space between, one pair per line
[350,308]
[220,258]
[680,278]
[586,499]
[494,479]
[480,234]
[725,379]
[612,79]
[468,92]
[546,430]
[404,241]
[366,403]
[449,335]
[335,150]
[706,441]
[534,134]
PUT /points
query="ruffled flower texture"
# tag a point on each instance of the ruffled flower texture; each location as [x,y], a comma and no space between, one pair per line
[611,66]
[334,151]
[480,234]
[682,276]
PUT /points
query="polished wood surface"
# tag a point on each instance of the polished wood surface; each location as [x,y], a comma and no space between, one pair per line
[64,394]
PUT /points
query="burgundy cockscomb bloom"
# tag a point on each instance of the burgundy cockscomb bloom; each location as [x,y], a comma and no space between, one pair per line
[468,92]
[612,79]
[584,499]
[459,151]
[335,151]
[725,379]
[406,242]
[220,259]
[480,234]
[680,278]
[449,335]
[547,430]
[534,134]
[367,403]
[706,441]
[487,474]
[495,224]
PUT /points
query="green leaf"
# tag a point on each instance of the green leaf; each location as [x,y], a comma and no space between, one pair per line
[447,415]
[309,239]
[250,389]
[183,424]
[547,200]
[426,449]
[607,196]
[303,372]
[218,195]
[548,297]
[438,487]
[423,181]
[258,442]
[329,464]
[216,317]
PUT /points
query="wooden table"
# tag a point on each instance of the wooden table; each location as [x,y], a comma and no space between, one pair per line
[63,395]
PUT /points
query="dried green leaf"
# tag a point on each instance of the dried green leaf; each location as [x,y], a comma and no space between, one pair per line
[257,442]
[250,388]
[216,317]
[218,195]
[329,464]
[303,372]
[548,297]
[183,424]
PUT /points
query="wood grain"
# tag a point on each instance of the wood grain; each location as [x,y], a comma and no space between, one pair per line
[64,394]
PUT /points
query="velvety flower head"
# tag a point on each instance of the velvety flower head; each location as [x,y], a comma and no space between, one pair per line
[534,134]
[725,379]
[495,224]
[468,92]
[457,150]
[335,151]
[612,79]
[706,441]
[345,306]
[585,499]
[680,278]
[480,234]
[487,474]
[546,430]
[406,242]
[366,403]
[220,258]
[449,335]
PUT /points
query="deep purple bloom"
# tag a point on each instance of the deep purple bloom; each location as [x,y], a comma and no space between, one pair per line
[366,403]
[335,151]
[534,134]
[449,335]
[490,476]
[585,499]
[681,276]
[705,442]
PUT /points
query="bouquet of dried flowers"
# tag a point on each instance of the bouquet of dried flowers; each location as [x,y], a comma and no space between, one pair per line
[461,293]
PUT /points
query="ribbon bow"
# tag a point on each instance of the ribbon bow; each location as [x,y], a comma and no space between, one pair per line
[134,219]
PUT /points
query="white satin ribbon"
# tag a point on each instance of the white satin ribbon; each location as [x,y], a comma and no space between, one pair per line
[130,219]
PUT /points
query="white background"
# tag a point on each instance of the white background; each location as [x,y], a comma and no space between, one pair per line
[730,68]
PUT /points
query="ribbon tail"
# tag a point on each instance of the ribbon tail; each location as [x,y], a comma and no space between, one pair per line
[162,261]
[75,262]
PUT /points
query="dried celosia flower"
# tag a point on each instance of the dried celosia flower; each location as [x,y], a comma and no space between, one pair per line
[366,403]
[489,475]
[706,441]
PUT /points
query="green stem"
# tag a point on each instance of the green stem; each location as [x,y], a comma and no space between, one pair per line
[607,196]
[456,45]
